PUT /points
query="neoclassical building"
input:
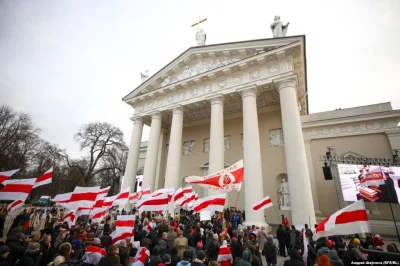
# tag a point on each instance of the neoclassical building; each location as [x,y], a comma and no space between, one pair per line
[214,105]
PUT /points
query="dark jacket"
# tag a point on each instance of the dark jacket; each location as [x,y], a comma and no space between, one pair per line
[197,262]
[109,260]
[246,258]
[270,253]
[106,229]
[236,249]
[295,259]
[4,262]
[123,256]
[255,260]
[163,247]
[30,258]
[17,249]
[47,255]
[281,235]
[174,256]
[349,256]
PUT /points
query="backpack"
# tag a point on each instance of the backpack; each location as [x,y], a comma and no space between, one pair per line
[199,244]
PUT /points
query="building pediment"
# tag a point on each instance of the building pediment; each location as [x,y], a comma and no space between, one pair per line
[203,71]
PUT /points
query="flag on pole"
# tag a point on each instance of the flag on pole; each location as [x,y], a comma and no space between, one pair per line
[144,193]
[44,179]
[5,175]
[125,221]
[17,189]
[225,180]
[98,215]
[305,244]
[212,203]
[101,195]
[180,193]
[263,204]
[349,220]
[158,203]
[119,199]
[69,218]
[140,257]
[15,205]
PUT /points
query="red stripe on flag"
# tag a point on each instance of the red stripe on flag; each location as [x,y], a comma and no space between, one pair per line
[352,216]
[89,196]
[15,203]
[121,237]
[44,177]
[265,202]
[154,202]
[17,188]
[99,214]
[203,205]
[122,223]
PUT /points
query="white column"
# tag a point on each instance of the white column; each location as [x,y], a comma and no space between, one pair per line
[296,161]
[253,179]
[307,144]
[216,151]
[150,164]
[172,177]
[129,179]
[160,146]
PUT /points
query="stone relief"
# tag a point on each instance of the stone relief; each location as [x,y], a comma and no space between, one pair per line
[166,81]
[193,92]
[274,69]
[227,143]
[238,79]
[284,199]
[221,84]
[188,147]
[356,128]
[206,146]
[207,88]
[255,74]
[276,137]
[171,98]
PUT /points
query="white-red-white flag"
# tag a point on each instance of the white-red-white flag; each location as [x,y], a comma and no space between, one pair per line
[225,180]
[5,175]
[373,178]
[81,197]
[352,219]
[44,179]
[263,204]
[224,253]
[133,197]
[121,233]
[213,203]
[180,194]
[189,198]
[17,189]
[140,257]
[116,200]
[162,191]
[97,215]
[62,197]
[101,195]
[69,218]
[15,205]
[158,203]
[143,193]
[125,221]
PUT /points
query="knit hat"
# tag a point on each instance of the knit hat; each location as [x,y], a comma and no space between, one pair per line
[215,236]
[186,255]
[356,241]
[34,246]
[166,259]
[4,250]
[96,241]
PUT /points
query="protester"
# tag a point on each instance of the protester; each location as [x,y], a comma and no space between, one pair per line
[185,260]
[112,258]
[270,252]
[295,258]
[94,253]
[4,251]
[200,259]
[31,256]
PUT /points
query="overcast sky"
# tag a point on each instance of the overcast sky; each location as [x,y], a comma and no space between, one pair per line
[68,63]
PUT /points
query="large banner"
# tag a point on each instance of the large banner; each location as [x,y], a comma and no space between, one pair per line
[372,183]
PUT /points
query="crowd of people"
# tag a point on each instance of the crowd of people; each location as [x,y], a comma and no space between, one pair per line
[182,240]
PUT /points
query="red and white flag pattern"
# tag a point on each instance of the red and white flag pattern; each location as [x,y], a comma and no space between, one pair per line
[15,205]
[263,204]
[44,179]
[95,249]
[124,227]
[69,218]
[119,199]
[81,197]
[143,193]
[5,175]
[97,215]
[212,203]
[140,257]
[180,194]
[228,179]
[352,219]
[17,189]
[157,203]
[133,197]
[101,195]
[224,253]
[125,221]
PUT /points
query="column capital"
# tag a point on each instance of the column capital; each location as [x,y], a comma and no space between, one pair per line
[155,115]
[216,99]
[285,81]
[178,109]
[137,120]
[250,91]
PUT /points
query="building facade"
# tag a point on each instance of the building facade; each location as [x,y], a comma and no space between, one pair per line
[217,104]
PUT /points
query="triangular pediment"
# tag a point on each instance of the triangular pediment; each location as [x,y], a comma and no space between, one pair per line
[352,155]
[207,164]
[193,65]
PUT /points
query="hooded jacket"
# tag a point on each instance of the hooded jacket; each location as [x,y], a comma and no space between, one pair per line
[295,259]
[246,258]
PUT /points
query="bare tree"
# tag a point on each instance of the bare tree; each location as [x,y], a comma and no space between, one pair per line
[98,139]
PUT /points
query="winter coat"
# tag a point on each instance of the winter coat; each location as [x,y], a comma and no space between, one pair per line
[47,254]
[4,262]
[171,236]
[30,258]
[351,255]
[281,235]
[17,250]
[255,259]
[183,263]
[295,259]
[123,256]
[332,254]
[162,243]
[246,258]
[197,262]
[109,260]
[270,253]
[236,249]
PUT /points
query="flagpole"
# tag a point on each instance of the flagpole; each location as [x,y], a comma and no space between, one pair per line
[276,212]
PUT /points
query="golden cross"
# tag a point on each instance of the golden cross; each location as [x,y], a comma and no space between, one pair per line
[198,23]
